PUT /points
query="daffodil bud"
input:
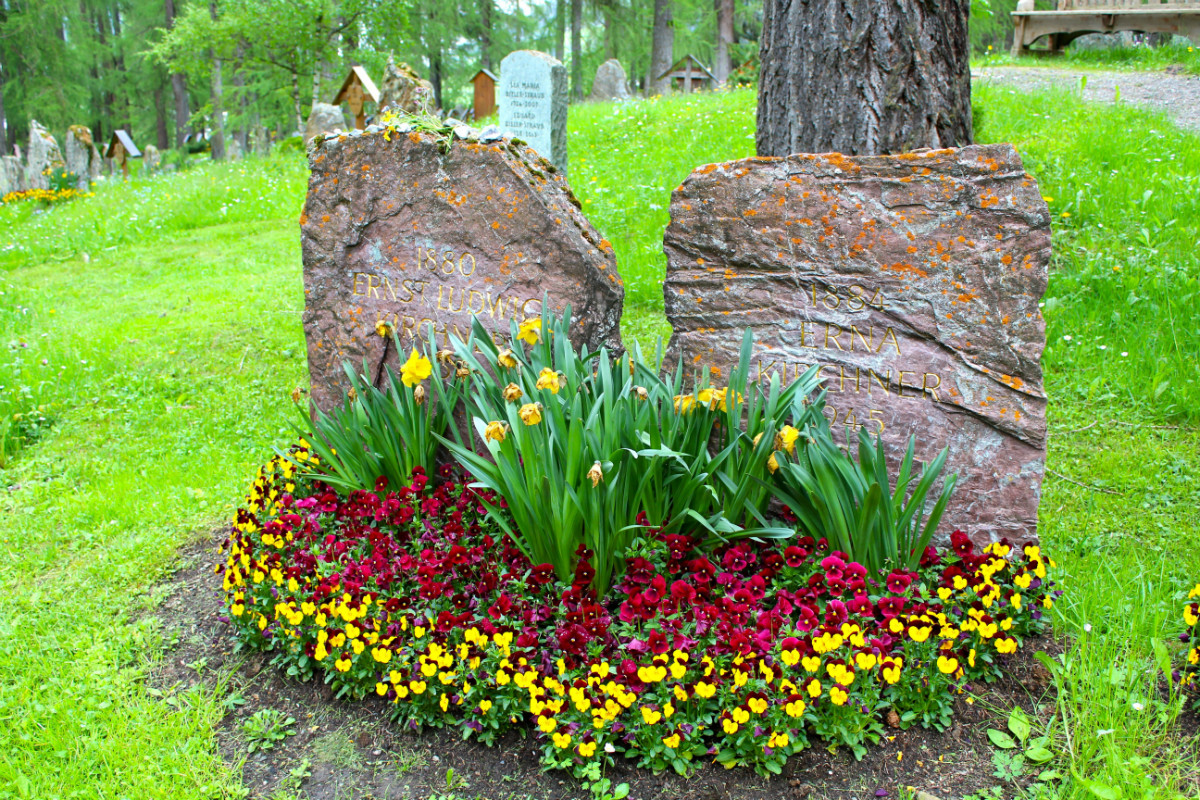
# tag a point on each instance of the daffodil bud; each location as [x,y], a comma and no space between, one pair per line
[512,393]
[419,394]
[641,392]
[596,474]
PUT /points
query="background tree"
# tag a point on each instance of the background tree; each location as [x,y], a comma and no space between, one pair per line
[863,76]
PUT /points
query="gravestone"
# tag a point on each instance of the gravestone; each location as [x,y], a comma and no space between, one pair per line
[12,175]
[533,103]
[44,156]
[404,91]
[610,82]
[78,154]
[324,118]
[152,159]
[95,162]
[913,280]
[411,230]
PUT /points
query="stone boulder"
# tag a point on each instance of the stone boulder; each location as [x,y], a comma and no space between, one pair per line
[151,160]
[611,82]
[911,281]
[44,155]
[78,154]
[95,163]
[404,91]
[12,175]
[418,231]
[323,119]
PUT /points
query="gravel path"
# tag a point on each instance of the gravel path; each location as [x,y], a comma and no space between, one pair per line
[1177,95]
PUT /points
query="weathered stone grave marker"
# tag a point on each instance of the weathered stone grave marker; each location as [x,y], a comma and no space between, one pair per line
[913,280]
[405,231]
[533,103]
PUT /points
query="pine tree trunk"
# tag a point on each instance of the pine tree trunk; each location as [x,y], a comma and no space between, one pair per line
[218,100]
[662,47]
[577,49]
[485,33]
[179,89]
[863,76]
[160,119]
[560,29]
[3,123]
[242,131]
[296,102]
[435,76]
[721,64]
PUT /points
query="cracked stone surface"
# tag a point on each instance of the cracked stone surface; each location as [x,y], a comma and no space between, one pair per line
[913,280]
[414,231]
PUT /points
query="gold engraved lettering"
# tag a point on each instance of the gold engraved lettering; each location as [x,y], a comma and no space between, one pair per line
[805,332]
[890,334]
[525,307]
[931,388]
[837,301]
[829,325]
[354,290]
[769,370]
[448,262]
[855,301]
[449,297]
[883,383]
[463,272]
[471,302]
[877,301]
[372,286]
[901,385]
[867,345]
[388,285]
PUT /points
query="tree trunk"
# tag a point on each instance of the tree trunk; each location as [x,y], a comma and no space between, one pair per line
[435,76]
[217,142]
[160,119]
[296,102]
[316,85]
[560,29]
[485,33]
[863,76]
[662,47]
[241,132]
[179,88]
[3,123]
[721,64]
[610,45]
[577,49]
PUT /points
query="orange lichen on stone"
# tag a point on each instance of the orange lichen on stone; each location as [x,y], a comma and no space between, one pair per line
[1006,259]
[903,268]
[1010,380]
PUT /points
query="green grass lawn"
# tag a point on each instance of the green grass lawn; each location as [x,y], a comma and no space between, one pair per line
[1125,59]
[151,335]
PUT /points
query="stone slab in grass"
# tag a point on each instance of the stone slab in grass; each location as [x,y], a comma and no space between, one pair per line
[913,280]
[412,230]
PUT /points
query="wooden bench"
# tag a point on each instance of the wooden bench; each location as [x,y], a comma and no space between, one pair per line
[1074,18]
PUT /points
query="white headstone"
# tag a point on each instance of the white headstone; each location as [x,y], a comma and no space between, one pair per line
[533,103]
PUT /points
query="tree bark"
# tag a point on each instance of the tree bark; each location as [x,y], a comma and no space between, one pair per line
[217,143]
[721,64]
[160,119]
[435,76]
[241,132]
[662,47]
[863,76]
[577,49]
[296,102]
[3,122]
[179,88]
[560,29]
[485,33]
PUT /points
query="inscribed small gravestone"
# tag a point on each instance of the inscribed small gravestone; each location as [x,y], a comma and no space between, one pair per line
[533,103]
[404,91]
[913,280]
[152,159]
[78,152]
[610,82]
[324,118]
[44,156]
[407,231]
[95,163]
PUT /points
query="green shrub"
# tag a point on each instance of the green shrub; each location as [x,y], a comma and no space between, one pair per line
[388,431]
[61,180]
[852,503]
[583,444]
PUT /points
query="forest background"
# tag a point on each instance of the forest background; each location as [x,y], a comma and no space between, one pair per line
[164,69]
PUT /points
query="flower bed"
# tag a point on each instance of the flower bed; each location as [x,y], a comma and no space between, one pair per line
[743,653]
[1191,661]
